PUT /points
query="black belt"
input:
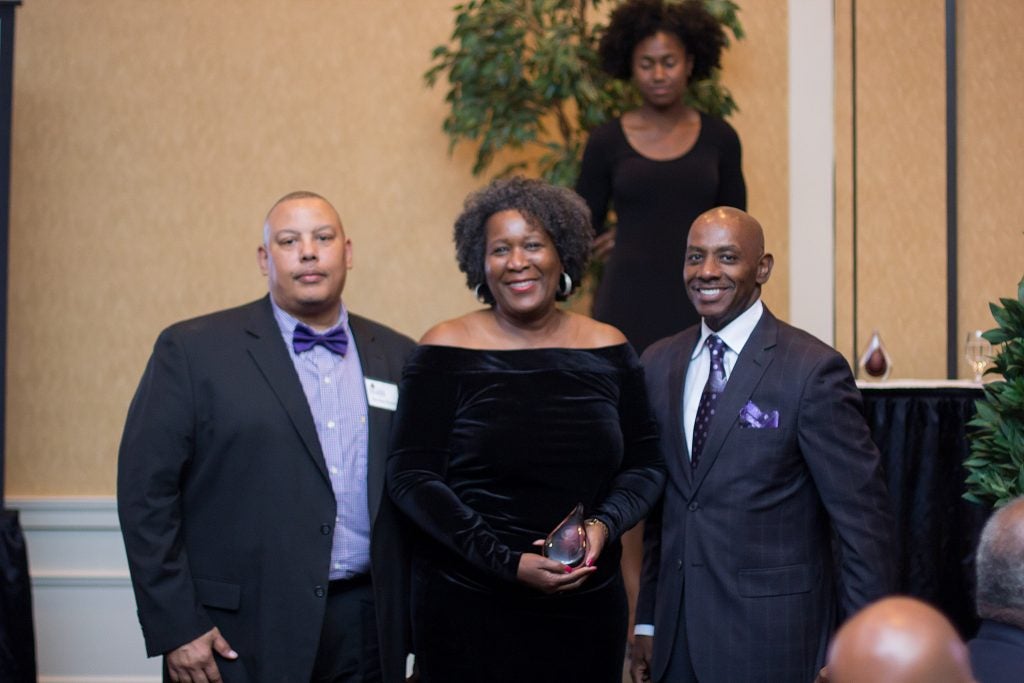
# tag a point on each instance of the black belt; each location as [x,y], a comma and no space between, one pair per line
[341,585]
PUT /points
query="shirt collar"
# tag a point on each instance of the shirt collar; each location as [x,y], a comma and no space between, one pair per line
[287,322]
[736,333]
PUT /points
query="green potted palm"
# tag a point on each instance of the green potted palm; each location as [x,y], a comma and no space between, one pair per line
[996,463]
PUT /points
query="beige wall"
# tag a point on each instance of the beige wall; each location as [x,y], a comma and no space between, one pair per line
[990,74]
[150,138]
[900,154]
[755,70]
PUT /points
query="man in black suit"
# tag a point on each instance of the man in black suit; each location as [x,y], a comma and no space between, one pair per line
[261,545]
[769,461]
[997,651]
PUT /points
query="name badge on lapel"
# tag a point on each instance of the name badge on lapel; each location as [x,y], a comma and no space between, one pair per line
[381,394]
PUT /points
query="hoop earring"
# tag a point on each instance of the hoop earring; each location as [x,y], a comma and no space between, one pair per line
[478,292]
[565,284]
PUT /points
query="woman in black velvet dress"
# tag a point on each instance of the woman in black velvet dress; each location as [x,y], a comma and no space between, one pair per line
[508,416]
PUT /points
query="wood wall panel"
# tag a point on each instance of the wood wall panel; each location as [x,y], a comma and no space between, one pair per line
[149,141]
[991,236]
[900,162]
[755,70]
[844,181]
[900,233]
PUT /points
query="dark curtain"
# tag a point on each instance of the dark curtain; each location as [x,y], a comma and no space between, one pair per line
[17,640]
[922,436]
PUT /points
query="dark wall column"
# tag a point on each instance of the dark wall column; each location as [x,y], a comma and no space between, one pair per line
[7,8]
[17,635]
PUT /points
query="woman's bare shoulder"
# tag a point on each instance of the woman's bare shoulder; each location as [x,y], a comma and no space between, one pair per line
[459,331]
[594,334]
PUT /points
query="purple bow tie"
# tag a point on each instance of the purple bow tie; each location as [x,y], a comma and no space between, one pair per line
[335,341]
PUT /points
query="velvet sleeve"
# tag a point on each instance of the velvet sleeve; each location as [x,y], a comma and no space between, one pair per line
[595,181]
[639,483]
[418,464]
[732,190]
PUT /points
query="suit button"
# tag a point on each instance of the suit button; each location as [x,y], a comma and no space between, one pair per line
[325,529]
[679,565]
[318,591]
[693,507]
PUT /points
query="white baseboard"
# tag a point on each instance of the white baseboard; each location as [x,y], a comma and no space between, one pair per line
[82,602]
[97,679]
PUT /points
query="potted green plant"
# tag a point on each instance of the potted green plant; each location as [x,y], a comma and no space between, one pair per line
[523,76]
[996,464]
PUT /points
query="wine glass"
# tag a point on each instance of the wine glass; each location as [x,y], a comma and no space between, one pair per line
[978,352]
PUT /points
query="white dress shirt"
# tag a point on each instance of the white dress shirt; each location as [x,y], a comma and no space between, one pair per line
[735,336]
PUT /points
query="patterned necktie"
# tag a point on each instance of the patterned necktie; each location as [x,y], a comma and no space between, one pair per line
[335,341]
[712,390]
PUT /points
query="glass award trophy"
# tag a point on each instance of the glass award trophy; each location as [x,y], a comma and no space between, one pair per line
[567,542]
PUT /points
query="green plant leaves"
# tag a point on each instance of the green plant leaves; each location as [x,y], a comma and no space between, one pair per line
[996,464]
[525,73]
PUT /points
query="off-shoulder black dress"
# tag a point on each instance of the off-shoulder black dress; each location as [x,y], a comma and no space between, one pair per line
[491,450]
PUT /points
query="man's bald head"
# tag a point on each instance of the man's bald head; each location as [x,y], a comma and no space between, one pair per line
[745,225]
[898,640]
[725,264]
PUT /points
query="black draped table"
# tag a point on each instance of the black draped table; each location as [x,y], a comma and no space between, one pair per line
[920,430]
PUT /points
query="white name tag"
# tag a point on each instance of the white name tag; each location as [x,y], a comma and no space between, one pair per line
[381,394]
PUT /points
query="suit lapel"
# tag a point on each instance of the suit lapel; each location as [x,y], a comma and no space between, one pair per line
[676,385]
[375,365]
[750,366]
[271,356]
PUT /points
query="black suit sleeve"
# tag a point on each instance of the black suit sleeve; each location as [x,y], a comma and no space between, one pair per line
[156,448]
[845,465]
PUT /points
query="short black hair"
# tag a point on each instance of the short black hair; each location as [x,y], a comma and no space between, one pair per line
[698,30]
[558,210]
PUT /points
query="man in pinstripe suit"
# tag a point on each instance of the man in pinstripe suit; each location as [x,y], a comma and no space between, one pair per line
[767,476]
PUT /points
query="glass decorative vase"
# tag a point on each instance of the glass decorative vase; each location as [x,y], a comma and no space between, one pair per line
[875,363]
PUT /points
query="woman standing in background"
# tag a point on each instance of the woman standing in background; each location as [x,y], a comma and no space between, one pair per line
[659,166]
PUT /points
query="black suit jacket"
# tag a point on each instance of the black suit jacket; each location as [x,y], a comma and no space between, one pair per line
[738,559]
[997,653]
[225,503]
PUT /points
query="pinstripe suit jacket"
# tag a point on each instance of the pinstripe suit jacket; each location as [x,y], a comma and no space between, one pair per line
[738,559]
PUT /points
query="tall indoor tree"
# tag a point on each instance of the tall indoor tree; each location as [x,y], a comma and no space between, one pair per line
[524,77]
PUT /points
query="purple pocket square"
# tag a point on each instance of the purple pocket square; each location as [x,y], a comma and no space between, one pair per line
[752,417]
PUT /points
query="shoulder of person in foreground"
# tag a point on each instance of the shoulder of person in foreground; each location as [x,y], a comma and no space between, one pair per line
[594,334]
[217,320]
[455,332]
[664,348]
[796,338]
[381,330]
